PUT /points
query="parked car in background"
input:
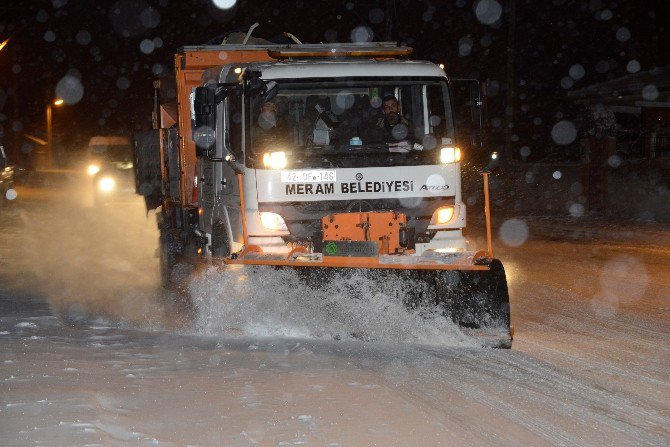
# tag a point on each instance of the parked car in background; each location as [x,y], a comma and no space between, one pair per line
[6,174]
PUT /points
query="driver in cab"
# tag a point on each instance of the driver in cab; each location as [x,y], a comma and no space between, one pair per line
[393,128]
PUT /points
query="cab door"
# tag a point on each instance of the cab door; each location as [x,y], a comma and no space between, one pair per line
[230,134]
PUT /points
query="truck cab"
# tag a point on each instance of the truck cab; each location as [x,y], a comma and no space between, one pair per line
[324,145]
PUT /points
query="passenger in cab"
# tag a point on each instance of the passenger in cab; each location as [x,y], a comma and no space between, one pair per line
[271,129]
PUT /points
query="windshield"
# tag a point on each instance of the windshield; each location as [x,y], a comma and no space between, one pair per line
[111,152]
[353,123]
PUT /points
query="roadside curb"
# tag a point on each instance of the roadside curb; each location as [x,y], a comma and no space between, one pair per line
[588,229]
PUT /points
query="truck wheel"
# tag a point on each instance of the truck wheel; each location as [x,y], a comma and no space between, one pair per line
[168,260]
[220,239]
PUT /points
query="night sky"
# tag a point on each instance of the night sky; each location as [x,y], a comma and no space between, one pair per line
[106,53]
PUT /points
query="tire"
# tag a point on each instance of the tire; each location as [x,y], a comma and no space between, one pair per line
[168,259]
[175,266]
[174,273]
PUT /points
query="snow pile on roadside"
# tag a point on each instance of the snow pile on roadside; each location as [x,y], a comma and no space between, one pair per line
[242,301]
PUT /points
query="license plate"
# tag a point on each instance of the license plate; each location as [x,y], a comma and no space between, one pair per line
[307,176]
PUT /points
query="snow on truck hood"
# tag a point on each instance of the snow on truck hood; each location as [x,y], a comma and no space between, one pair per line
[350,68]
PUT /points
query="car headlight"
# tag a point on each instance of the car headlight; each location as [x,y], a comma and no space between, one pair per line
[107,184]
[93,169]
[275,160]
[273,221]
[450,154]
[442,216]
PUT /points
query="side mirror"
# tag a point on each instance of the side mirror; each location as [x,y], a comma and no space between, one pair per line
[205,100]
[253,84]
[478,115]
[470,114]
[204,120]
[270,90]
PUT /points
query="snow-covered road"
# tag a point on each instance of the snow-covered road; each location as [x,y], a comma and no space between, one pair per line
[590,364]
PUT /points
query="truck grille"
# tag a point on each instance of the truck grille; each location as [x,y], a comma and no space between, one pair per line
[304,218]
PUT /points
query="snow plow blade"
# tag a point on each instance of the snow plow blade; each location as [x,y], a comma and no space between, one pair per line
[473,295]
[476,300]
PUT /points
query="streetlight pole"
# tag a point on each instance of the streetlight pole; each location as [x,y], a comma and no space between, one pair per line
[49,160]
[50,152]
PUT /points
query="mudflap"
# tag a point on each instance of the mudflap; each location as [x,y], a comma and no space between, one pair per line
[476,300]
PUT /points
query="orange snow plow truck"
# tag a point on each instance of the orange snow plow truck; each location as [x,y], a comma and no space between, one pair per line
[330,159]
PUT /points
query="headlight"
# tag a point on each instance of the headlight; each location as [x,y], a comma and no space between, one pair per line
[107,184]
[442,216]
[275,160]
[450,154]
[273,221]
[93,169]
